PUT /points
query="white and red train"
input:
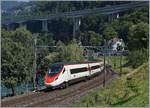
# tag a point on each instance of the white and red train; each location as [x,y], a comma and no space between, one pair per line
[62,74]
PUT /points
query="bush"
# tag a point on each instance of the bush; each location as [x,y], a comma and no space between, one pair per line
[137,58]
[110,95]
[66,53]
[133,85]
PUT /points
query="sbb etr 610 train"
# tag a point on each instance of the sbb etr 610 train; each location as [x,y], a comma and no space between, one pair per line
[62,74]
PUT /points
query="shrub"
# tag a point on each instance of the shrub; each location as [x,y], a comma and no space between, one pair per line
[137,58]
[133,85]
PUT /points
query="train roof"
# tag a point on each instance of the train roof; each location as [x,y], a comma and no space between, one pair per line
[71,63]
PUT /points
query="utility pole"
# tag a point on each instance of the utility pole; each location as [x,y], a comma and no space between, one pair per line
[119,48]
[121,63]
[108,52]
[88,53]
[35,65]
[114,61]
[104,63]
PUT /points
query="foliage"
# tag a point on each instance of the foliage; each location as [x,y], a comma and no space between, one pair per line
[109,33]
[62,50]
[74,52]
[132,84]
[63,6]
[17,57]
[42,65]
[139,15]
[61,29]
[121,92]
[45,39]
[61,47]
[141,78]
[138,36]
[66,53]
[124,23]
[52,58]
[93,23]
[91,38]
[137,58]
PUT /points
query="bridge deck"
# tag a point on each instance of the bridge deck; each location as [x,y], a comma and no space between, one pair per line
[103,10]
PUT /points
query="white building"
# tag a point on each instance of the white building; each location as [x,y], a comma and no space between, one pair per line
[115,42]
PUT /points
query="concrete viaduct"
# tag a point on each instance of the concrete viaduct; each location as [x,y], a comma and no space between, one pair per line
[111,11]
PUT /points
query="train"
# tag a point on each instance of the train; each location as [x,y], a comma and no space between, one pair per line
[63,74]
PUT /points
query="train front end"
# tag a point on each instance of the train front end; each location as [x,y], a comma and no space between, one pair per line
[52,76]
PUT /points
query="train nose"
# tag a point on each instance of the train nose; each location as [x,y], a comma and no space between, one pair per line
[48,80]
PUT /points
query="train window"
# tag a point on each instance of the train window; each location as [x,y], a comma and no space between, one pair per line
[95,67]
[54,69]
[78,70]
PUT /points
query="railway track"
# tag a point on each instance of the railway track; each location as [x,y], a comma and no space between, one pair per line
[55,97]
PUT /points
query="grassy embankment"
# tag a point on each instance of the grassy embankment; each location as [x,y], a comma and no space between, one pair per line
[131,89]
[114,61]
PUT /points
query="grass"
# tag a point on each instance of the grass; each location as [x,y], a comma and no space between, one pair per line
[133,92]
[114,61]
[141,100]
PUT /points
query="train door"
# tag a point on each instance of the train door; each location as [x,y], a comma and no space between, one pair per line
[101,67]
[67,74]
[92,69]
[89,69]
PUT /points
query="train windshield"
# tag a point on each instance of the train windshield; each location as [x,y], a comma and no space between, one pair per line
[54,69]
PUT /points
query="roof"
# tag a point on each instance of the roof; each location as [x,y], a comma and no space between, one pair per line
[71,63]
[114,41]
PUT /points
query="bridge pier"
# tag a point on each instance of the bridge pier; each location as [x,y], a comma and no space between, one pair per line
[7,27]
[76,26]
[12,26]
[113,16]
[22,24]
[44,26]
[117,15]
[110,17]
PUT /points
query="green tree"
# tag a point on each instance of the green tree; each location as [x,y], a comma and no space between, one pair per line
[17,57]
[137,57]
[109,32]
[45,39]
[74,52]
[95,38]
[41,63]
[66,53]
[62,50]
[57,56]
[52,58]
[138,36]
[91,38]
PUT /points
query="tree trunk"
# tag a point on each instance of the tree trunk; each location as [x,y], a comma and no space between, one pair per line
[13,91]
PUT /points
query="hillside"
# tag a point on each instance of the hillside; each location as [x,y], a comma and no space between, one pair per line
[141,75]
[18,53]
[129,92]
